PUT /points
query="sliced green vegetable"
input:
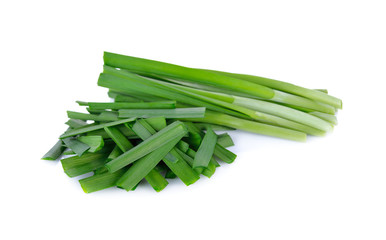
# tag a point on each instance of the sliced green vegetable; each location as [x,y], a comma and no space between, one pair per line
[101,181]
[95,143]
[205,151]
[225,140]
[144,165]
[75,145]
[156,180]
[130,105]
[122,142]
[76,123]
[99,118]
[189,158]
[170,174]
[156,122]
[224,154]
[157,140]
[74,132]
[55,152]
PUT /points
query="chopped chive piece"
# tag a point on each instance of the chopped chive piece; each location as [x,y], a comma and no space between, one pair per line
[115,153]
[194,135]
[77,146]
[144,165]
[96,143]
[75,166]
[205,151]
[142,129]
[156,122]
[76,123]
[122,142]
[100,181]
[224,154]
[189,158]
[156,180]
[81,103]
[74,132]
[55,152]
[167,113]
[124,98]
[225,140]
[96,112]
[170,174]
[129,105]
[183,146]
[85,116]
[68,152]
[176,129]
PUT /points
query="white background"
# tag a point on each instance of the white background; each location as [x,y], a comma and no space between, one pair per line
[327,188]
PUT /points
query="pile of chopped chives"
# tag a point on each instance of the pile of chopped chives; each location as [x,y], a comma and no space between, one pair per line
[162,122]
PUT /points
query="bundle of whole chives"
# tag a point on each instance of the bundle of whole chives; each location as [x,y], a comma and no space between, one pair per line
[162,121]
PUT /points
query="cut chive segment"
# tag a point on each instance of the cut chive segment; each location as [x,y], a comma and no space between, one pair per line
[170,174]
[144,165]
[75,166]
[156,180]
[189,158]
[122,142]
[101,181]
[95,143]
[76,123]
[55,152]
[205,151]
[77,146]
[92,127]
[225,140]
[156,123]
[174,130]
[224,154]
[167,113]
[85,116]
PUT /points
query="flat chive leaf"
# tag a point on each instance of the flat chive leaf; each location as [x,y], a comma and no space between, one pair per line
[93,127]
[94,117]
[76,123]
[122,142]
[142,129]
[127,105]
[224,154]
[215,127]
[144,165]
[225,140]
[189,158]
[55,152]
[77,146]
[156,180]
[75,166]
[183,146]
[205,151]
[157,140]
[96,143]
[198,112]
[156,123]
[100,181]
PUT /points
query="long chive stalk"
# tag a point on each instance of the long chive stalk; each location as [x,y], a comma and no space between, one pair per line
[122,142]
[156,180]
[55,152]
[197,112]
[145,66]
[130,105]
[159,139]
[250,126]
[288,87]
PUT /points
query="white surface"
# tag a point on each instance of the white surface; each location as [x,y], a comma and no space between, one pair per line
[327,188]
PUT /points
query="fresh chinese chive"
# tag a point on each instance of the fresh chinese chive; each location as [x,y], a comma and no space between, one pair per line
[194,137]
[157,140]
[94,117]
[96,143]
[155,122]
[327,117]
[177,165]
[198,112]
[205,151]
[224,154]
[55,152]
[189,158]
[130,105]
[101,181]
[142,129]
[144,165]
[156,180]
[75,166]
[68,152]
[225,140]
[76,123]
[122,128]
[183,146]
[77,146]
[86,129]
[94,111]
[122,142]
[215,127]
